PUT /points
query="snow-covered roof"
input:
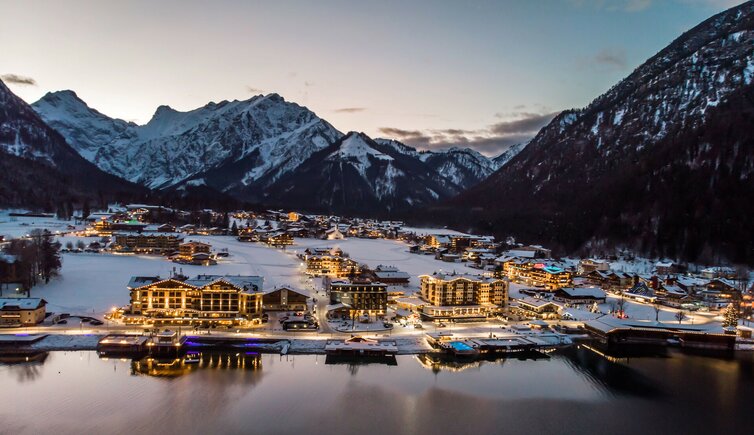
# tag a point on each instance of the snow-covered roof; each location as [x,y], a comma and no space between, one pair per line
[593,292]
[391,275]
[21,303]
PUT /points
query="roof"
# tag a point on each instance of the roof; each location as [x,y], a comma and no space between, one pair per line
[592,292]
[21,303]
[535,302]
[391,275]
[606,324]
[139,281]
[452,277]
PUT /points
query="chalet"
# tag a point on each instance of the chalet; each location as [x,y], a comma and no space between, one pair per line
[724,288]
[334,266]
[166,228]
[195,253]
[153,243]
[204,300]
[187,229]
[248,234]
[16,312]
[334,234]
[279,239]
[665,268]
[535,307]
[580,295]
[588,265]
[671,294]
[390,275]
[284,299]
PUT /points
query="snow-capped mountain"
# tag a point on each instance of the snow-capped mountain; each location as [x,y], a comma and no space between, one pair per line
[242,148]
[660,162]
[463,167]
[38,167]
[264,137]
[360,175]
[508,155]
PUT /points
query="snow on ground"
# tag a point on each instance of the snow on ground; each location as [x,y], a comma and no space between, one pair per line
[374,252]
[94,283]
[16,226]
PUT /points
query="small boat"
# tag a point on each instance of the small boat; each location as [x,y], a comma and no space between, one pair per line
[192,357]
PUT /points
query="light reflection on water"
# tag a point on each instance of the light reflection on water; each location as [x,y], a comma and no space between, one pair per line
[574,390]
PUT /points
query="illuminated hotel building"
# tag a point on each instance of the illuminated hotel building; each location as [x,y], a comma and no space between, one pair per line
[204,300]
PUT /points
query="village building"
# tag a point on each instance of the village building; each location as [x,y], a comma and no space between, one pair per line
[334,234]
[284,299]
[196,253]
[550,277]
[279,239]
[204,300]
[390,275]
[107,227]
[15,312]
[333,266]
[535,307]
[533,251]
[580,295]
[589,265]
[357,298]
[480,295]
[723,288]
[142,243]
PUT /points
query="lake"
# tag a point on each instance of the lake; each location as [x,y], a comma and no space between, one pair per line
[574,390]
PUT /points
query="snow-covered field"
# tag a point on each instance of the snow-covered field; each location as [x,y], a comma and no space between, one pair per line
[374,252]
[14,226]
[94,283]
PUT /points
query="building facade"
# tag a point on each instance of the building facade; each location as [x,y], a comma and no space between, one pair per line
[204,300]
[21,311]
[448,290]
[162,244]
[359,297]
[284,299]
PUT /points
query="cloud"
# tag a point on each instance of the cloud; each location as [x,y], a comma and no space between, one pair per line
[18,80]
[612,58]
[491,140]
[350,110]
[253,90]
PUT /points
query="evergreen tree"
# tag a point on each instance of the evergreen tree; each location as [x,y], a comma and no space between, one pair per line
[85,211]
[234,229]
[49,259]
[731,316]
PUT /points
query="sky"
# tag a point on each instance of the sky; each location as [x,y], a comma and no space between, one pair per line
[433,74]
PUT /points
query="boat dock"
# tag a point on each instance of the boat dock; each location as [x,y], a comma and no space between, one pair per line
[360,346]
[506,344]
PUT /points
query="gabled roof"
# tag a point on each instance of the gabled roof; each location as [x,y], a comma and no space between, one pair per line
[21,303]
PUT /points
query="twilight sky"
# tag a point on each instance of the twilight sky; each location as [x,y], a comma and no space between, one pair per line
[484,74]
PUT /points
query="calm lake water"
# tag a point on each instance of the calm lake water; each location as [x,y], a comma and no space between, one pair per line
[573,391]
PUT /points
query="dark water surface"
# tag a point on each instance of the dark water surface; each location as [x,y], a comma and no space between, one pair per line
[574,391]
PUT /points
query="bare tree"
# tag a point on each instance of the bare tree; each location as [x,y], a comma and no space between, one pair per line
[680,316]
